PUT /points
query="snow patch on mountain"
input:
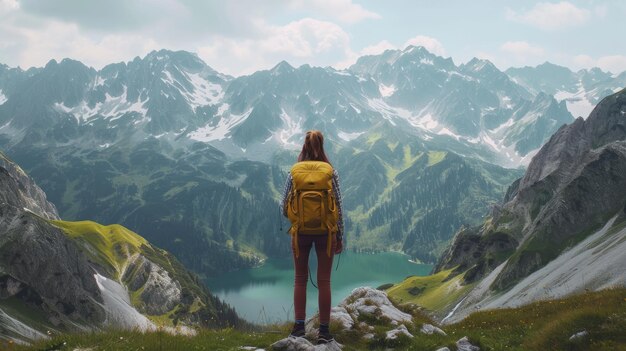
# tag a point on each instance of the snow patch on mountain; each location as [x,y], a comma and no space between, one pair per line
[358,110]
[577,102]
[202,91]
[388,112]
[386,90]
[113,107]
[291,128]
[120,311]
[448,132]
[349,136]
[505,102]
[98,81]
[211,132]
[3,98]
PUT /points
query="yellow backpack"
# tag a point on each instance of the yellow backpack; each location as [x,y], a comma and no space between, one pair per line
[311,207]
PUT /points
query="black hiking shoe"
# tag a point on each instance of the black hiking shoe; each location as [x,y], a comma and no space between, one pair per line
[297,331]
[324,337]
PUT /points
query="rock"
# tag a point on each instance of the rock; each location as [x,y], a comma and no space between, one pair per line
[368,336]
[339,314]
[293,344]
[250,348]
[372,302]
[159,292]
[463,344]
[573,182]
[367,310]
[430,329]
[363,301]
[302,344]
[443,349]
[579,336]
[394,333]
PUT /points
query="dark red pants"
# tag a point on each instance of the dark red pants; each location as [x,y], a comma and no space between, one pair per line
[324,265]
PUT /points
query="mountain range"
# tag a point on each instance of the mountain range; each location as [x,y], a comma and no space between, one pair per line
[194,159]
[560,229]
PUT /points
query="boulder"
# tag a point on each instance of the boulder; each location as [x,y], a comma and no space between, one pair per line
[394,333]
[463,344]
[302,344]
[362,301]
[579,336]
[430,329]
[375,303]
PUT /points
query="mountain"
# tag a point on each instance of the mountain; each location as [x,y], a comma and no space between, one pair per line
[195,159]
[581,90]
[561,228]
[76,276]
[400,194]
[474,103]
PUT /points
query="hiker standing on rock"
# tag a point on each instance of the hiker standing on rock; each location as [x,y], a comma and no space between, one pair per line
[312,202]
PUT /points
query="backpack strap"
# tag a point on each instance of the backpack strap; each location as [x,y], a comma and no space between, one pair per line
[294,234]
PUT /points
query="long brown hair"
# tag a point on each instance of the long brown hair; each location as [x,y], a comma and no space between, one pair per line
[313,147]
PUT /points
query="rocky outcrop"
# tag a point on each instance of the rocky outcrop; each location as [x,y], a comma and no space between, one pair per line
[572,187]
[574,183]
[356,315]
[557,215]
[159,292]
[363,303]
[302,344]
[81,275]
[463,344]
[19,190]
[39,266]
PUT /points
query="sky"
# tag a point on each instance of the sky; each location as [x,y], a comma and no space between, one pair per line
[239,37]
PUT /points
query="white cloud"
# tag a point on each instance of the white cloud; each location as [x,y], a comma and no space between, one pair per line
[342,10]
[583,61]
[431,44]
[612,63]
[38,45]
[551,16]
[7,6]
[521,49]
[377,48]
[297,42]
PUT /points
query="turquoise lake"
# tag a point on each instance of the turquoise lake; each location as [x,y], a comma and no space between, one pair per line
[265,294]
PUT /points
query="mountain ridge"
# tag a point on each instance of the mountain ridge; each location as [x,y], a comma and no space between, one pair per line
[79,276]
[568,208]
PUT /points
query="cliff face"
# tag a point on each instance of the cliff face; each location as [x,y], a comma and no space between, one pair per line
[573,187]
[81,275]
[39,266]
[19,190]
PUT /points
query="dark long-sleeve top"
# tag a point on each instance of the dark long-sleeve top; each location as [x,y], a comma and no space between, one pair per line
[336,191]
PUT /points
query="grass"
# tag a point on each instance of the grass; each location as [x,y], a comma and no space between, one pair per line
[433,292]
[543,325]
[109,245]
[435,157]
[547,325]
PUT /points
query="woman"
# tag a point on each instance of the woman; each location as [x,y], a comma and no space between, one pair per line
[328,241]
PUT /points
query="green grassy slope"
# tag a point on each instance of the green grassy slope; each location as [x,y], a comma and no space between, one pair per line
[433,292]
[111,247]
[543,325]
